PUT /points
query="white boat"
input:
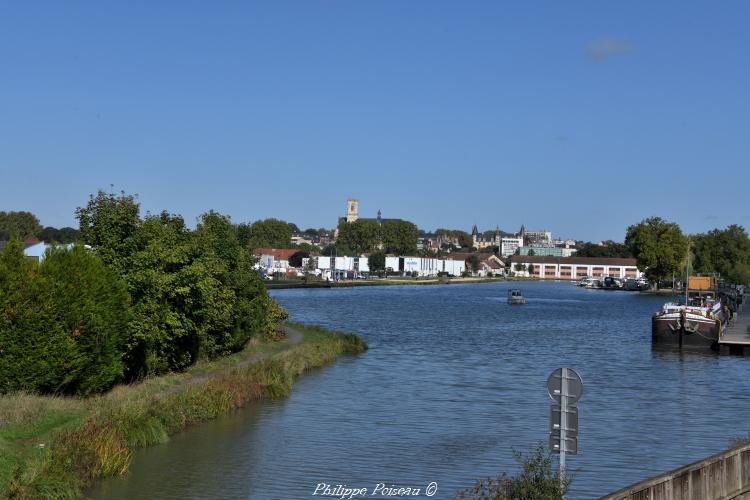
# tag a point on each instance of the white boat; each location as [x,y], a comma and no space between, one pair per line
[515,297]
[587,282]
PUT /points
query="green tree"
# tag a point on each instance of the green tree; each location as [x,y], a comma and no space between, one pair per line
[376,261]
[726,251]
[195,294]
[474,262]
[62,235]
[20,224]
[531,268]
[606,249]
[92,304]
[267,233]
[295,260]
[658,246]
[360,236]
[339,249]
[63,328]
[531,252]
[538,480]
[399,237]
[464,239]
[109,224]
[520,267]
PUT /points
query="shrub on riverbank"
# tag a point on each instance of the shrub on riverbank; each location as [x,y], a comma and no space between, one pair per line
[63,325]
[195,293]
[537,481]
[96,436]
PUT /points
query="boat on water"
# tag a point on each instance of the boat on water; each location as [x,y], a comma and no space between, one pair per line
[685,325]
[614,283]
[587,282]
[515,297]
[699,319]
[636,284]
[611,283]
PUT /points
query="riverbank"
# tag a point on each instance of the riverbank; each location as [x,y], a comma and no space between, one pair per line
[284,284]
[53,447]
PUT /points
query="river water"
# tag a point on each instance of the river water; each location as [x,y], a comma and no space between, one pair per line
[454,381]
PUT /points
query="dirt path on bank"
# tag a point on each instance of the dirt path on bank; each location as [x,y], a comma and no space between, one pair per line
[293,336]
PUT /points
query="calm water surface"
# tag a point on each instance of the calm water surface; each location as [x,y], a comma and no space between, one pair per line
[453,381]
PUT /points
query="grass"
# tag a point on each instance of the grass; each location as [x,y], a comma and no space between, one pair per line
[53,447]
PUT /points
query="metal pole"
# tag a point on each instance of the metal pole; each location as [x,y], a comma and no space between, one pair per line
[563,421]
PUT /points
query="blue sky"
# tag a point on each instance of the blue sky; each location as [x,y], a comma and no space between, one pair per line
[579,117]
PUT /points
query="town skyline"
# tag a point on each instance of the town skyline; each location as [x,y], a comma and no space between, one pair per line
[191,217]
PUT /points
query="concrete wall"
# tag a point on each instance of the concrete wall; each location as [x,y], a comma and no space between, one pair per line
[725,475]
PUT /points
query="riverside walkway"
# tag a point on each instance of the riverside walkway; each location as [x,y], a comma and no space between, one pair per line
[736,338]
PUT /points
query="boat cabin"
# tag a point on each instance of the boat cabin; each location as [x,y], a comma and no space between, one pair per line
[515,297]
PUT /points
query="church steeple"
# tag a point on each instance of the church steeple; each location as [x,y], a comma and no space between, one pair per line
[474,230]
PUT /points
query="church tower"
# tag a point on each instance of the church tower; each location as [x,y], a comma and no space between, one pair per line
[352,210]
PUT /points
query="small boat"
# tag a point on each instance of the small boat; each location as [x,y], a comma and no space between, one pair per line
[611,283]
[515,297]
[587,282]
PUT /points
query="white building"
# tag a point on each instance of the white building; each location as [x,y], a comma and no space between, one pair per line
[274,260]
[574,268]
[424,266]
[509,245]
[339,267]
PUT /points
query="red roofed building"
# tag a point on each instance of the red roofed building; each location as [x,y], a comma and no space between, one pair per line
[274,260]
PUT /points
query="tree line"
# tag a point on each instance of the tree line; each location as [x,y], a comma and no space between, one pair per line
[366,236]
[152,296]
[26,225]
[661,249]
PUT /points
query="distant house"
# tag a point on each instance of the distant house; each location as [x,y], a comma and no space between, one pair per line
[274,260]
[491,265]
[36,250]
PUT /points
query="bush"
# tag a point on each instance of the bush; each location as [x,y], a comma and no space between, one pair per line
[64,325]
[536,481]
[195,294]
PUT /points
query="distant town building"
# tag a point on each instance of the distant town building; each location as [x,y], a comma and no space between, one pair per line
[425,266]
[543,237]
[339,267]
[352,213]
[541,251]
[509,245]
[574,268]
[484,240]
[491,265]
[274,260]
[302,239]
[547,251]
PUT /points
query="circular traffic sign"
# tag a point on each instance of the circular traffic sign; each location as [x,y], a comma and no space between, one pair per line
[564,382]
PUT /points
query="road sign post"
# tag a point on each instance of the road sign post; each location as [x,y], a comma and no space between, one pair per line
[565,387]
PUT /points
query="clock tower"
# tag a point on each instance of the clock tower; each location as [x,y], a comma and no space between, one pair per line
[352,211]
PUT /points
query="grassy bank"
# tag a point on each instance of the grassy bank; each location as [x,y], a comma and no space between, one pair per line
[52,447]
